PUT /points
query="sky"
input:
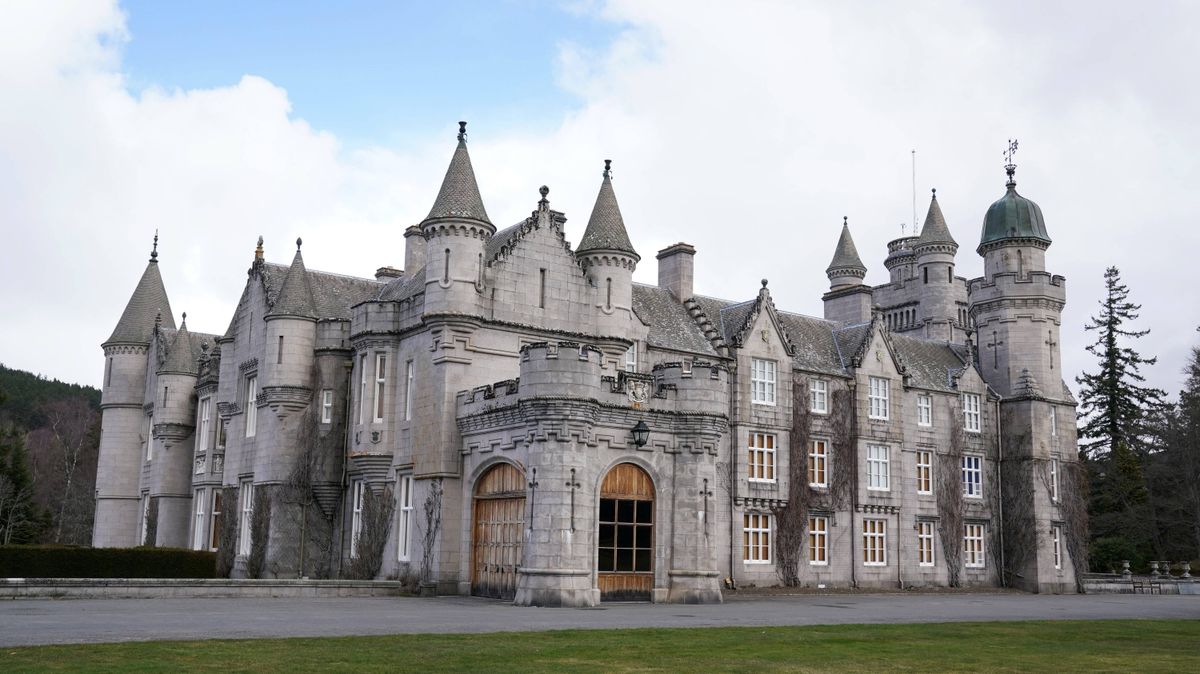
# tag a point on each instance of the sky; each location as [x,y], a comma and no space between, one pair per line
[746,129]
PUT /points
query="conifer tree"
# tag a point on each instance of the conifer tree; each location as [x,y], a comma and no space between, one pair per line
[20,519]
[1114,401]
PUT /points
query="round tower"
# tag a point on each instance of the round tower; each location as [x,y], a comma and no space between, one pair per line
[456,232]
[935,249]
[174,425]
[608,259]
[124,425]
[848,301]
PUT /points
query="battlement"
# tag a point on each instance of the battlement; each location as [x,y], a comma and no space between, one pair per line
[1003,283]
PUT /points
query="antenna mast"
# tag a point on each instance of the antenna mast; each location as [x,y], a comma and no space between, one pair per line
[914,191]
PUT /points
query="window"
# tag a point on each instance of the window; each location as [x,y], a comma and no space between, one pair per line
[973,546]
[221,428]
[408,390]
[404,521]
[1054,422]
[971,422]
[1056,539]
[214,538]
[626,535]
[1054,480]
[246,494]
[202,424]
[279,352]
[761,457]
[756,538]
[972,476]
[874,542]
[924,471]
[924,410]
[818,464]
[362,387]
[818,541]
[356,513]
[108,372]
[380,385]
[631,358]
[149,439]
[762,382]
[251,406]
[877,398]
[818,396]
[327,406]
[198,530]
[541,288]
[925,543]
[878,468]
[608,293]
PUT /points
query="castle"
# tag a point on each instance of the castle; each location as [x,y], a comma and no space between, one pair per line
[514,417]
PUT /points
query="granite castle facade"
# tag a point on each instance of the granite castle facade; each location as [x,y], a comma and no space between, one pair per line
[514,417]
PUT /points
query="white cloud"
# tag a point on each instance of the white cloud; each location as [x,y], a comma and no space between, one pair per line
[748,132]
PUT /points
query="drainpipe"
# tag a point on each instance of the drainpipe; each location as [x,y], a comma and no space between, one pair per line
[854,481]
[732,471]
[1000,489]
[899,559]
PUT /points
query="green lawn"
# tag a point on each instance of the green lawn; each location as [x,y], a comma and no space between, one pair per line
[1092,646]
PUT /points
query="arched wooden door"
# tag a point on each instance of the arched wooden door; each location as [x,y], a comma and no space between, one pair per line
[625,540]
[498,531]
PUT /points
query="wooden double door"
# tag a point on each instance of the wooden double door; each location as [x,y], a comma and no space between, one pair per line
[498,532]
[625,535]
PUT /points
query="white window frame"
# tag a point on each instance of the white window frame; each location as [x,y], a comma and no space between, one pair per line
[404,518]
[1053,421]
[199,539]
[925,471]
[251,406]
[760,457]
[818,395]
[1056,542]
[150,437]
[924,410]
[878,398]
[362,388]
[203,419]
[925,554]
[1054,479]
[818,540]
[631,360]
[327,406]
[879,468]
[973,546]
[818,463]
[972,418]
[357,496]
[756,538]
[874,539]
[216,507]
[972,476]
[245,531]
[380,398]
[408,390]
[762,381]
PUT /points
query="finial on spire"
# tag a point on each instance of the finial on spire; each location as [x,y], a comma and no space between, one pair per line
[154,250]
[608,168]
[845,221]
[764,283]
[258,250]
[543,203]
[462,132]
[298,242]
[934,190]
[1009,167]
[157,320]
[184,323]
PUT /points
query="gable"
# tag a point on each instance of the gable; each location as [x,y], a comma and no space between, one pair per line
[533,278]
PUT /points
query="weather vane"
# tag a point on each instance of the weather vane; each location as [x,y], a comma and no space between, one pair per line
[1009,166]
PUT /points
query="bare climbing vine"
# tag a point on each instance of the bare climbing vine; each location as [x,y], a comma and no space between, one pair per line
[791,518]
[151,523]
[950,501]
[429,529]
[260,531]
[227,543]
[842,457]
[1073,491]
[375,525]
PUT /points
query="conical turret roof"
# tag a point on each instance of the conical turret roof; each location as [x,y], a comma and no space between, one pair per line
[149,299]
[606,228]
[845,256]
[935,231]
[295,295]
[181,358]
[459,195]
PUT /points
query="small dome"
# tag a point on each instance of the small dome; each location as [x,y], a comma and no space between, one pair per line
[1013,216]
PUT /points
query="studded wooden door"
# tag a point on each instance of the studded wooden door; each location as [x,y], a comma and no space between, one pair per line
[498,532]
[625,540]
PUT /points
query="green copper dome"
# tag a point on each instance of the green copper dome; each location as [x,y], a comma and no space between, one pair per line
[1013,216]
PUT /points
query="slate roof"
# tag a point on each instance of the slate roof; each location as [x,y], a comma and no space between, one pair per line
[333,294]
[935,231]
[671,326]
[182,348]
[501,239]
[929,364]
[459,195]
[606,228]
[403,288]
[296,294]
[148,300]
[845,256]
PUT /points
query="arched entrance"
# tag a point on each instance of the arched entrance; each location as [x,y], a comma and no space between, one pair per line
[498,531]
[625,541]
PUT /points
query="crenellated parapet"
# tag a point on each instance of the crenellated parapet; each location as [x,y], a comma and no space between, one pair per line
[1033,289]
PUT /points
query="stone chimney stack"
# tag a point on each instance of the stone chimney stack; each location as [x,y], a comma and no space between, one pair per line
[414,250]
[676,269]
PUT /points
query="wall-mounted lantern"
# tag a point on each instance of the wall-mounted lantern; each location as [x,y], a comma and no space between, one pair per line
[641,434]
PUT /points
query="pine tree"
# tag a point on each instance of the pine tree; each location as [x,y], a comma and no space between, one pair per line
[1113,400]
[20,519]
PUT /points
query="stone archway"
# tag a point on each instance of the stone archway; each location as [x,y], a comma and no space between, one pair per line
[498,525]
[625,537]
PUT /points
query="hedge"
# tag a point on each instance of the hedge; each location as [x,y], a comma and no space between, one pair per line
[60,561]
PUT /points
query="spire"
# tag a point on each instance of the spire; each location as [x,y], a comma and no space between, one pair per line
[459,195]
[181,358]
[935,231]
[258,250]
[606,228]
[295,295]
[846,261]
[148,302]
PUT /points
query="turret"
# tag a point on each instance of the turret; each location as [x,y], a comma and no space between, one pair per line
[608,260]
[125,428]
[848,301]
[174,425]
[935,249]
[456,231]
